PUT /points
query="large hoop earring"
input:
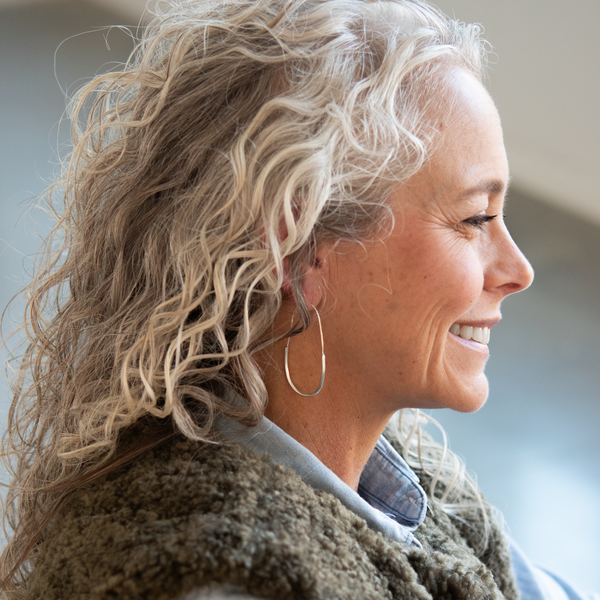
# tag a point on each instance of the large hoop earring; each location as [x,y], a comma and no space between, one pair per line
[287,369]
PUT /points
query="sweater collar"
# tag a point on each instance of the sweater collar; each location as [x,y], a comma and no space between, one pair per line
[389,496]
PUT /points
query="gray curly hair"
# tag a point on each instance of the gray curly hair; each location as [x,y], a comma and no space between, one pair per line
[162,278]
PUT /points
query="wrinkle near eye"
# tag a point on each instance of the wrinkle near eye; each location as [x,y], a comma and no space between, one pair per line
[468,231]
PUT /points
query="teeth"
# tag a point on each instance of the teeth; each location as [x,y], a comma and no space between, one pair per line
[478,334]
[466,332]
[486,335]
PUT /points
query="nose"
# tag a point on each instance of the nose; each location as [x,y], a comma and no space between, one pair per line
[509,271]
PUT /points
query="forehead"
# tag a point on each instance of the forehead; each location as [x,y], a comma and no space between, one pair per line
[468,158]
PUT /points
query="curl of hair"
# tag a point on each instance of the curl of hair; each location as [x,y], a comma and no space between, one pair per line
[163,274]
[449,485]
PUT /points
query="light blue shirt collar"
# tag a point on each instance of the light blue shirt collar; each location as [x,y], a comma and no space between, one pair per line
[389,496]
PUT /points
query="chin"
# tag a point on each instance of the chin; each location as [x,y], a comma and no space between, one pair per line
[465,398]
[469,408]
[473,398]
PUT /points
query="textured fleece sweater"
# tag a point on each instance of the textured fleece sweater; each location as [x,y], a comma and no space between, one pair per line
[188,515]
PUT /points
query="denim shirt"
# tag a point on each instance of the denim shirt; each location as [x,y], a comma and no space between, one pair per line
[389,496]
[389,499]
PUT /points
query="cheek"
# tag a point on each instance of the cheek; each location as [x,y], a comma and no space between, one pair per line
[460,277]
[436,282]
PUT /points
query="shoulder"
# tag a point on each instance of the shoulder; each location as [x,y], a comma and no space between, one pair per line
[188,515]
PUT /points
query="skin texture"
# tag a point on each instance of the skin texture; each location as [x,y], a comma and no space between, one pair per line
[387,305]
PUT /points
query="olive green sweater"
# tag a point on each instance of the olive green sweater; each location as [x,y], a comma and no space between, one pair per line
[188,515]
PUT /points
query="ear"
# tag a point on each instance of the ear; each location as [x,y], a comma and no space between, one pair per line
[313,280]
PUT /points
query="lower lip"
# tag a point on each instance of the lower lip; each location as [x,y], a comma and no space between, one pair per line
[472,344]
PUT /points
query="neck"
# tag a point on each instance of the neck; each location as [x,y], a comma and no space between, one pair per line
[342,445]
[338,425]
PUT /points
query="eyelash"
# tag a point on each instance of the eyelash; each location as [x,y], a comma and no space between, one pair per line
[479,220]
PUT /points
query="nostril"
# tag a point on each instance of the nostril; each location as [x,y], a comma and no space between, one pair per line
[511,288]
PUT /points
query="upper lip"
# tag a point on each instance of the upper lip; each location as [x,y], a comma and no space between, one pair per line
[483,323]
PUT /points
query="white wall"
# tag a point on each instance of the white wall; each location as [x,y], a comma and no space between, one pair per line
[131,10]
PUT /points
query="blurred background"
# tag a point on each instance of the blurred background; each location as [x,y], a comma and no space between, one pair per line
[535,445]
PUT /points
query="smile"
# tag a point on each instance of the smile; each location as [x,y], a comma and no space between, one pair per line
[466,332]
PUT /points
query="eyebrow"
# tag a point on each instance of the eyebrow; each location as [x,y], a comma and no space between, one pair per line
[493,186]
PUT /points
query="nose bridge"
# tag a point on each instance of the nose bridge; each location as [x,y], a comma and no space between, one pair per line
[514,272]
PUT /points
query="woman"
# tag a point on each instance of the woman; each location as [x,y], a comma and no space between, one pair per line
[282,224]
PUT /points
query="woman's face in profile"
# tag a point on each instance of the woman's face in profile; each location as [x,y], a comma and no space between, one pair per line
[397,304]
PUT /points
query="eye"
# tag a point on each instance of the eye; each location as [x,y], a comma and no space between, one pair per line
[479,220]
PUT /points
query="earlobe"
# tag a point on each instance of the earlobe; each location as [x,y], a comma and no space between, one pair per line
[312,281]
[286,286]
[312,286]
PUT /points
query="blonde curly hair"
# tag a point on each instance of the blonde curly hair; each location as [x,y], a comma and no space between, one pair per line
[163,274]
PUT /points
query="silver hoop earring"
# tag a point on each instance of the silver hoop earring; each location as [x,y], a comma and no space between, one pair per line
[287,369]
